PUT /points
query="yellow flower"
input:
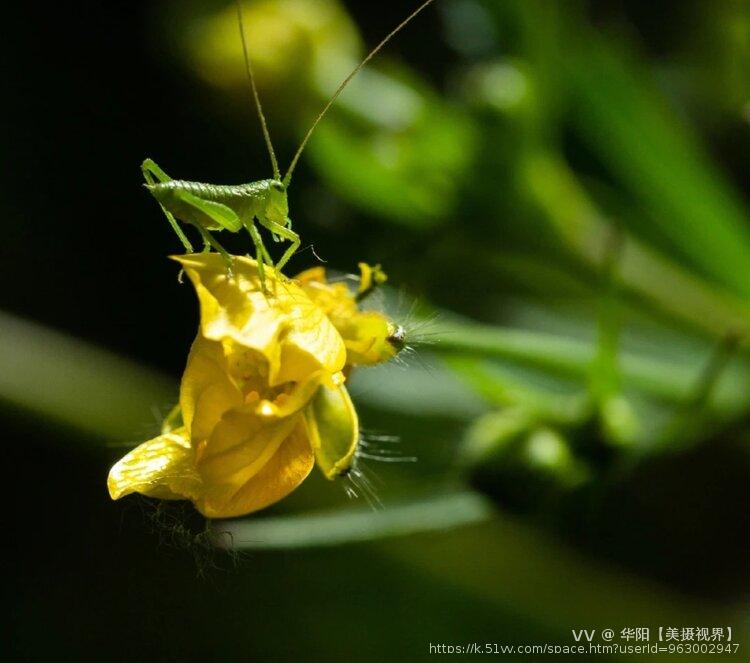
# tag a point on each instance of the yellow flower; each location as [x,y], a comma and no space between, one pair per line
[285,326]
[262,397]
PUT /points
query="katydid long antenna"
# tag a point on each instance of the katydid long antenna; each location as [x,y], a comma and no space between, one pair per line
[256,97]
[345,82]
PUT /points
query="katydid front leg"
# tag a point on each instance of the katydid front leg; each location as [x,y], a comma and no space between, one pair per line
[286,233]
[261,254]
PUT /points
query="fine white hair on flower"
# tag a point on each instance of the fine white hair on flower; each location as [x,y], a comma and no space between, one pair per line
[362,481]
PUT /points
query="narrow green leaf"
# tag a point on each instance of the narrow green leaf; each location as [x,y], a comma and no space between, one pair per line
[72,382]
[571,357]
[643,270]
[657,157]
[336,527]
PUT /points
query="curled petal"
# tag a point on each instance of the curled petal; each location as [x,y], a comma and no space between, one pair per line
[239,446]
[162,467]
[243,444]
[334,298]
[333,428]
[254,470]
[297,398]
[207,390]
[371,276]
[283,324]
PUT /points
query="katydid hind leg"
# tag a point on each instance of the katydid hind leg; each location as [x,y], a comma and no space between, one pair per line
[209,239]
[152,173]
[150,166]
[223,216]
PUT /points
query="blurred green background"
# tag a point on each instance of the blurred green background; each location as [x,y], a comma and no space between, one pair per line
[559,192]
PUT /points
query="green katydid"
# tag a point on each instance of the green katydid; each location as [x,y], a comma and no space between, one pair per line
[213,207]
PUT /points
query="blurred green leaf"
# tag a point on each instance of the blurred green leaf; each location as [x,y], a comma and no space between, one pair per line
[424,386]
[646,272]
[340,526]
[405,172]
[65,380]
[687,206]
[572,358]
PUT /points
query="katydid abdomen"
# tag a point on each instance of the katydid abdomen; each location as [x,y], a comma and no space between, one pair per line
[247,201]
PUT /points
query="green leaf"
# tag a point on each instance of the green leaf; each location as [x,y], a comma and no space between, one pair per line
[687,206]
[339,526]
[572,358]
[663,284]
[406,170]
[69,381]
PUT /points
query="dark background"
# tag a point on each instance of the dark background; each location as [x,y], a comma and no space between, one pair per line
[92,88]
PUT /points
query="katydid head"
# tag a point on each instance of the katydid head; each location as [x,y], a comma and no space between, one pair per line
[277,204]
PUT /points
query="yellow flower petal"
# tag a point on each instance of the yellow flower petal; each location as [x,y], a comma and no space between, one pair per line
[244,442]
[291,402]
[207,390]
[333,428]
[284,466]
[162,467]
[239,446]
[334,298]
[285,326]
